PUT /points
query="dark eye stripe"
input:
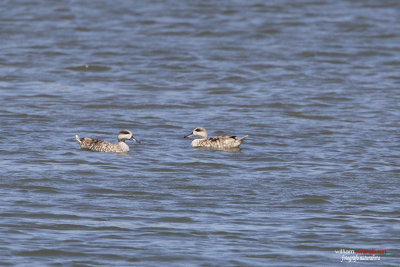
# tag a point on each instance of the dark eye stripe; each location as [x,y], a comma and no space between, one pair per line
[124,132]
[197,130]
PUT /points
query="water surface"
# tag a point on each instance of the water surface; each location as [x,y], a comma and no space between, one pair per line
[315,85]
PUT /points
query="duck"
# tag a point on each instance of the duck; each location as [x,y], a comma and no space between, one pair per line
[104,146]
[216,142]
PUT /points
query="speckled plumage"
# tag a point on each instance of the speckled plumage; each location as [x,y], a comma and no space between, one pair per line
[216,142]
[104,146]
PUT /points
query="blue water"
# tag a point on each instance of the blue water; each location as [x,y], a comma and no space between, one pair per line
[315,85]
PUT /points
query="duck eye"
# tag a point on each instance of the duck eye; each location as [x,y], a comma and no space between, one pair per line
[197,130]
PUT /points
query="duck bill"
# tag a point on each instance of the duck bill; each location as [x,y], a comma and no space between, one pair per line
[134,139]
[189,135]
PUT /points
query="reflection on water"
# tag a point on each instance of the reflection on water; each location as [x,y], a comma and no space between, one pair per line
[232,149]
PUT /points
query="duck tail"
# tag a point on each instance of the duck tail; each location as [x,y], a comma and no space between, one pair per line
[78,139]
[244,137]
